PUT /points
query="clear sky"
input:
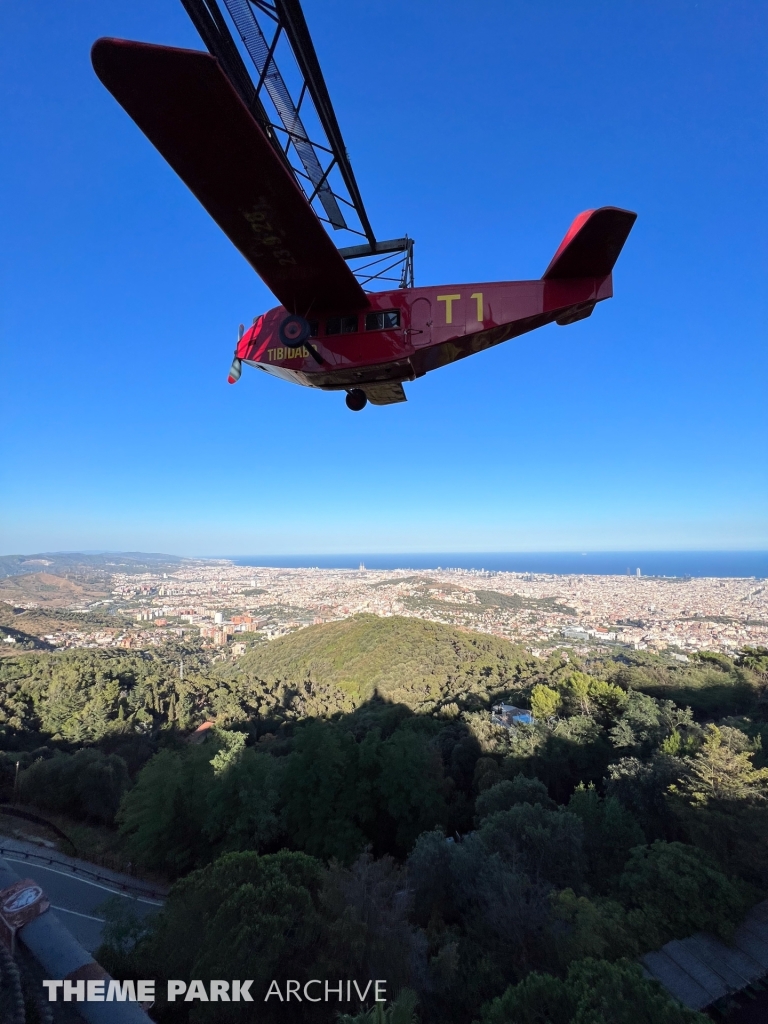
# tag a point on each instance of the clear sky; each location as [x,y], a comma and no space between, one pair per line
[481,129]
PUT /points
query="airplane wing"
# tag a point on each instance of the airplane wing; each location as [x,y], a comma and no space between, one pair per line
[187,108]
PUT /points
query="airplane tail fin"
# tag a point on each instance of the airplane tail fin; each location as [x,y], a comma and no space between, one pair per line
[592,244]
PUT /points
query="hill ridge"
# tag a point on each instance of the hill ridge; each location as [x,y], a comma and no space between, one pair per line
[410,661]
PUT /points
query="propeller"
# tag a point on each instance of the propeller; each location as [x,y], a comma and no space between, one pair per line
[237,364]
[294,332]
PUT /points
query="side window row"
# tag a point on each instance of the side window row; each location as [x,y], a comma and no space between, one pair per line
[382,321]
[349,324]
[341,325]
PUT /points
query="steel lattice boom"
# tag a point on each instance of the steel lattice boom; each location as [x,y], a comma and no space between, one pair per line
[335,198]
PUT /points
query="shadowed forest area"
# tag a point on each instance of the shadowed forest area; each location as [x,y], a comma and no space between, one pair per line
[352,812]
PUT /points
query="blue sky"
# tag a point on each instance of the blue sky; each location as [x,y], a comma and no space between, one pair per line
[481,130]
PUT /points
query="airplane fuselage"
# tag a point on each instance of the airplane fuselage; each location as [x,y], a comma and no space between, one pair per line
[426,328]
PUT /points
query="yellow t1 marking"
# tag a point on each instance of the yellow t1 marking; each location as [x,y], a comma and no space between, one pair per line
[478,297]
[449,301]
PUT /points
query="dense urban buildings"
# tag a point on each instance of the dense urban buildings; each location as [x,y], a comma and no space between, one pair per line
[235,606]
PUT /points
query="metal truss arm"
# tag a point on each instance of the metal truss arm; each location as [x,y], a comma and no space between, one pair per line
[295,27]
[316,159]
[212,28]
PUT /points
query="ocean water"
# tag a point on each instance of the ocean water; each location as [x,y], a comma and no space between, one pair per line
[594,563]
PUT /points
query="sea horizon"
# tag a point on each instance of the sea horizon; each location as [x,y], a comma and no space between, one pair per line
[670,564]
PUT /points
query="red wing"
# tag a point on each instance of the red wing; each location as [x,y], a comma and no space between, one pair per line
[592,244]
[187,108]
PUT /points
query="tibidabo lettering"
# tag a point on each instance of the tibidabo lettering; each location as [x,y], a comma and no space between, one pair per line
[275,355]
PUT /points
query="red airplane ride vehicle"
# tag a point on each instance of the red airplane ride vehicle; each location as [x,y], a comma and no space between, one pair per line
[206,117]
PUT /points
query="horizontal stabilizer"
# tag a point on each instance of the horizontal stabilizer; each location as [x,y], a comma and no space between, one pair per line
[592,245]
[187,108]
[385,394]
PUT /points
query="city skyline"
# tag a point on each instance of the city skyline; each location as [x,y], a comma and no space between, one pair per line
[220,602]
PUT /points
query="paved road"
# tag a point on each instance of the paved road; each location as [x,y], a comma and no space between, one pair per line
[76,900]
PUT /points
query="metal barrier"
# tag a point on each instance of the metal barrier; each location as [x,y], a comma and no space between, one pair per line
[75,869]
[62,957]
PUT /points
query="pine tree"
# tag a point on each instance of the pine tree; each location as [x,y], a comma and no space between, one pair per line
[719,772]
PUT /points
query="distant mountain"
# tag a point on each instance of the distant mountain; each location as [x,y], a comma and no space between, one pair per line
[59,563]
[45,590]
[340,665]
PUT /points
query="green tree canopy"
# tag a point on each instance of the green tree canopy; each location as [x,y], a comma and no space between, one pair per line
[87,784]
[722,772]
[243,804]
[594,992]
[163,817]
[545,702]
[244,916]
[546,845]
[508,792]
[610,832]
[676,890]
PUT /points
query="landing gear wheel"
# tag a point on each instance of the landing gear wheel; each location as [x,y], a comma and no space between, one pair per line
[294,331]
[356,400]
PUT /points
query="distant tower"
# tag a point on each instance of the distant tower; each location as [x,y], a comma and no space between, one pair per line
[362,567]
[637,572]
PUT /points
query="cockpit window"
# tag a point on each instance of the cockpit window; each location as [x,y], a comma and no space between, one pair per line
[341,325]
[382,321]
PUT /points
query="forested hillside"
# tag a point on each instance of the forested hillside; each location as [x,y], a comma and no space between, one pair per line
[423,665]
[353,812]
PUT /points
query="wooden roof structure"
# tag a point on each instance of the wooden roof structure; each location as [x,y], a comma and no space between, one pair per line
[701,970]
